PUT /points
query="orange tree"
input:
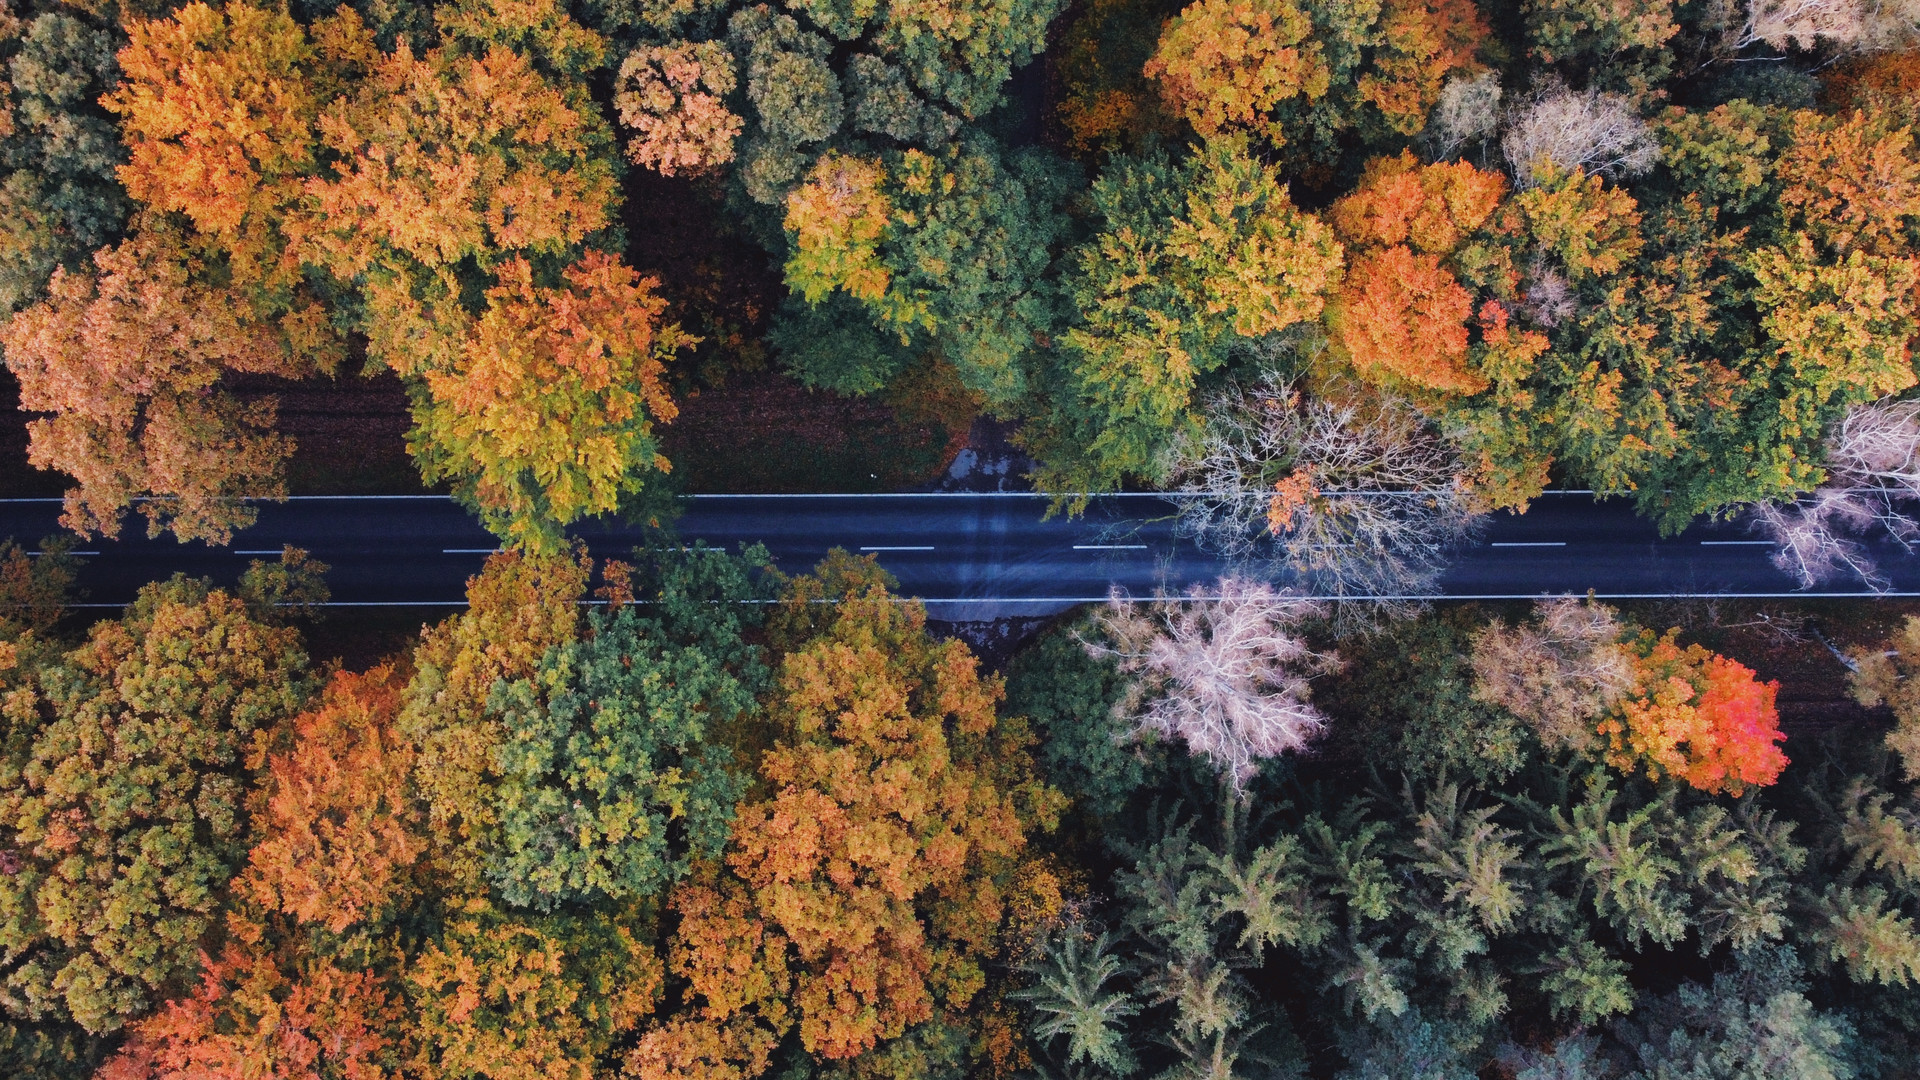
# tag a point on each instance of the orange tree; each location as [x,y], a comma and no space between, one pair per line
[867,879]
[1696,717]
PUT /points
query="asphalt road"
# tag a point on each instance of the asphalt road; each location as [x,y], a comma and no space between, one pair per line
[969,555]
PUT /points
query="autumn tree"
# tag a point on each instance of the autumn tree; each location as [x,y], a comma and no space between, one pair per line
[1106,102]
[128,360]
[1884,676]
[518,607]
[547,414]
[674,97]
[1695,717]
[947,251]
[336,833]
[1402,316]
[1609,46]
[128,814]
[1190,261]
[1300,74]
[1563,131]
[863,889]
[1225,670]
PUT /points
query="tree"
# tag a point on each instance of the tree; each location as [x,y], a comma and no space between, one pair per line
[1355,496]
[218,110]
[610,772]
[1189,259]
[1559,673]
[1566,131]
[1106,102]
[1885,677]
[864,888]
[34,587]
[947,251]
[60,199]
[1751,1023]
[547,414]
[1873,470]
[128,360]
[464,152]
[501,997]
[1605,44]
[1401,318]
[1225,671]
[1849,25]
[1071,971]
[674,97]
[129,814]
[1696,717]
[518,607]
[1224,64]
[337,826]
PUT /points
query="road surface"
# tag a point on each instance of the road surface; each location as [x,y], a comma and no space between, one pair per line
[971,556]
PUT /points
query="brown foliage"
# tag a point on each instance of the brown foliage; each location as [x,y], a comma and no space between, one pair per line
[1223,64]
[674,97]
[129,361]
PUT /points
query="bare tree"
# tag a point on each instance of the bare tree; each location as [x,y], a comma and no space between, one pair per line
[1467,112]
[1355,498]
[1846,25]
[1225,670]
[1564,129]
[1558,672]
[1873,475]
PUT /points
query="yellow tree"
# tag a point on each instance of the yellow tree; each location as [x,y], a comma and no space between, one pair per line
[547,414]
[867,886]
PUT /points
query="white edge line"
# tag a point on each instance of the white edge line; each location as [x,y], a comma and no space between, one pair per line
[37,554]
[1736,543]
[274,551]
[1529,543]
[471,551]
[1104,599]
[903,547]
[1109,547]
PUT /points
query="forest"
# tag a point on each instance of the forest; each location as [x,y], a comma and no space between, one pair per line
[1347,275]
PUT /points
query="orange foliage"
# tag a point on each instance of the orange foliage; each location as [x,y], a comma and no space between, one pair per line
[1697,717]
[217,110]
[1423,42]
[1852,184]
[255,1016]
[868,884]
[674,97]
[547,414]
[1402,317]
[1291,495]
[337,826]
[1432,207]
[446,157]
[1223,64]
[129,361]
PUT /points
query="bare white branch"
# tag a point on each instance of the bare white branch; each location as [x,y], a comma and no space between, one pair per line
[1846,25]
[1873,477]
[1357,498]
[1224,670]
[1566,130]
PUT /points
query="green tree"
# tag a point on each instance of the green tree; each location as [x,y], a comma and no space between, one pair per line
[610,773]
[128,813]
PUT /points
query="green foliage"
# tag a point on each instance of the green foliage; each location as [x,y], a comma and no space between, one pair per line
[609,775]
[128,815]
[1071,996]
[1408,698]
[1069,697]
[1753,1023]
[59,196]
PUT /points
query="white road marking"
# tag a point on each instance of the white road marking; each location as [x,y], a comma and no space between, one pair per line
[1736,543]
[928,547]
[1530,543]
[274,551]
[469,551]
[1109,547]
[37,554]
